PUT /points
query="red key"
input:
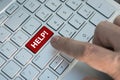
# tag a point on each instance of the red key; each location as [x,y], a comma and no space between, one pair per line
[40,38]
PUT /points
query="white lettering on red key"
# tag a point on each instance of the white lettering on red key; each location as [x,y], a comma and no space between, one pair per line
[40,38]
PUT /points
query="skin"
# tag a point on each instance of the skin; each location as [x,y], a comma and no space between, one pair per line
[103,54]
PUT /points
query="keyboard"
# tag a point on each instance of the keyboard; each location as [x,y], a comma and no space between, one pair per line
[27,26]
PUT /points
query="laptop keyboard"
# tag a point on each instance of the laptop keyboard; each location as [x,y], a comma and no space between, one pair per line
[26,29]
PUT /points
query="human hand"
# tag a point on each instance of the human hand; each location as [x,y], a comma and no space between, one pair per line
[103,54]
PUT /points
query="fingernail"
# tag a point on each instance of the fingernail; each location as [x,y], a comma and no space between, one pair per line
[55,38]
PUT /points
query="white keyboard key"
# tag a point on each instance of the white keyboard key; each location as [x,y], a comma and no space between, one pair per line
[41,1]
[11,69]
[48,75]
[67,57]
[45,56]
[85,11]
[2,77]
[19,38]
[53,4]
[4,34]
[2,61]
[30,72]
[32,5]
[102,6]
[16,20]
[63,0]
[65,12]
[3,17]
[18,78]
[56,62]
[20,1]
[23,56]
[77,21]
[43,13]
[74,4]
[55,22]
[12,8]
[97,18]
[62,67]
[8,49]
[86,33]
[67,31]
[31,26]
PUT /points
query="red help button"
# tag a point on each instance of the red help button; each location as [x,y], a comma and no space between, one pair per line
[40,38]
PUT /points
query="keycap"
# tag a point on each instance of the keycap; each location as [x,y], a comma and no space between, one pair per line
[86,33]
[11,69]
[43,14]
[74,4]
[31,26]
[30,72]
[62,67]
[3,17]
[2,77]
[67,31]
[67,57]
[56,62]
[77,21]
[20,1]
[63,0]
[32,5]
[19,38]
[18,78]
[65,12]
[48,75]
[53,4]
[41,1]
[86,11]
[102,6]
[4,34]
[55,22]
[23,56]
[2,61]
[97,18]
[8,49]
[39,39]
[13,7]
[45,56]
[16,20]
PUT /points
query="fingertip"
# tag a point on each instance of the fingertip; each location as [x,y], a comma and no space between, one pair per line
[117,20]
[54,39]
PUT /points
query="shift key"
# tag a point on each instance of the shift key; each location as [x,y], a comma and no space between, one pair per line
[16,20]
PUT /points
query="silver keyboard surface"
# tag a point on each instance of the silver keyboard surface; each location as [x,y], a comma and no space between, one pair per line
[29,24]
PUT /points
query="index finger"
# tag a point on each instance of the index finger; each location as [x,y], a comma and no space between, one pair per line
[95,56]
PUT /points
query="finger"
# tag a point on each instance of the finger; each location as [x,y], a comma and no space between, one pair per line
[95,56]
[107,35]
[91,78]
[117,20]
